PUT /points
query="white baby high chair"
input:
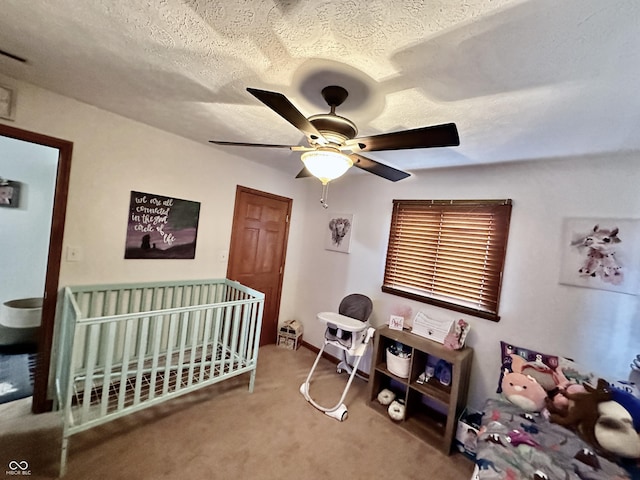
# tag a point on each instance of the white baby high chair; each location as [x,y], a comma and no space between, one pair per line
[348,330]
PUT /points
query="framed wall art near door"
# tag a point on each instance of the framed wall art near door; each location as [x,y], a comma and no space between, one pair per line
[161,227]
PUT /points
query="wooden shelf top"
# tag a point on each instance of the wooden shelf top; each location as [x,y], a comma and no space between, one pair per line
[425,344]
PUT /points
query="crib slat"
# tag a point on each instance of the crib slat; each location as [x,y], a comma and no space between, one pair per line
[158,320]
[228,310]
[126,353]
[108,355]
[244,324]
[169,354]
[194,346]
[184,327]
[205,344]
[142,348]
[216,342]
[233,357]
[90,363]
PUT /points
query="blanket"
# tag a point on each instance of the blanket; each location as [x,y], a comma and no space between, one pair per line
[514,444]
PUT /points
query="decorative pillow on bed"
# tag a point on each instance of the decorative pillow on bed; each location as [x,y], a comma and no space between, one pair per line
[576,373]
[540,366]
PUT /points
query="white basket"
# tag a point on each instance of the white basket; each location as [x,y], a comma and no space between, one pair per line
[397,365]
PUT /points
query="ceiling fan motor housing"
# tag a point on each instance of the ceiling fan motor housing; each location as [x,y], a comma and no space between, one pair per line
[334,128]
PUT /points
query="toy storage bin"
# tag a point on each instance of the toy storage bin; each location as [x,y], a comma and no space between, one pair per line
[399,366]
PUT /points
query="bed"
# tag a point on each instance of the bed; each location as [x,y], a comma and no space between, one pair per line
[124,348]
[515,444]
[520,439]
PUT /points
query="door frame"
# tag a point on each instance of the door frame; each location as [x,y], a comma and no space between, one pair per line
[239,191]
[45,336]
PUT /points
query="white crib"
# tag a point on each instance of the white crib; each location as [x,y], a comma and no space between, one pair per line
[123,348]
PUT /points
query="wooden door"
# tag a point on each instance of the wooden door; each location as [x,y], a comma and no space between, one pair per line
[258,248]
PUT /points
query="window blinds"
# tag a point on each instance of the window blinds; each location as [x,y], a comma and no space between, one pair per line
[449,253]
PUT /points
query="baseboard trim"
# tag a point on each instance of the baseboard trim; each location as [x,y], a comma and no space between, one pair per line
[331,358]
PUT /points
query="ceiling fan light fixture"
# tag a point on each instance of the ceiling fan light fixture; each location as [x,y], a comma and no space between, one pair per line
[326,164]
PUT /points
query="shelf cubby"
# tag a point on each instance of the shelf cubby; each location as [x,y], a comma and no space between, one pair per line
[431,408]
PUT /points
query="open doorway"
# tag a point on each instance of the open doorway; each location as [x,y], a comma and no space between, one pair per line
[53,254]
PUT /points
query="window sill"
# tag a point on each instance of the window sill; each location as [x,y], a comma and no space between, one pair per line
[442,304]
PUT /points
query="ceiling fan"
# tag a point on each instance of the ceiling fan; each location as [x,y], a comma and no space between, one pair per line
[333,146]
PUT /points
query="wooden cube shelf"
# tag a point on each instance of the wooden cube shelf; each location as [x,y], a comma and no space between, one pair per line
[431,409]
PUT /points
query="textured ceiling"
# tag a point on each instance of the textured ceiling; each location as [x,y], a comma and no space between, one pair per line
[521,79]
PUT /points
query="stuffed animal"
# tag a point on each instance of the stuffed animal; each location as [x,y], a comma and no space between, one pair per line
[614,430]
[563,385]
[386,396]
[396,410]
[582,414]
[536,369]
[523,391]
[618,427]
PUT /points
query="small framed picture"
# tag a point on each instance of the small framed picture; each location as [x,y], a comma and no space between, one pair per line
[9,193]
[396,322]
[338,233]
[7,103]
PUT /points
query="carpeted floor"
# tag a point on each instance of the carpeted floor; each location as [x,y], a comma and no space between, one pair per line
[224,432]
[16,376]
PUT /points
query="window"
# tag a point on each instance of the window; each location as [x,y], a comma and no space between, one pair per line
[449,253]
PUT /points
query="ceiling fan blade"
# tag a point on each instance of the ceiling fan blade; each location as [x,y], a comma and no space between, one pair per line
[244,144]
[283,107]
[376,168]
[445,135]
[304,173]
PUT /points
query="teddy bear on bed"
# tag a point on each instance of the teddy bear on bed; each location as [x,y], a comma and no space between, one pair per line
[605,417]
[562,385]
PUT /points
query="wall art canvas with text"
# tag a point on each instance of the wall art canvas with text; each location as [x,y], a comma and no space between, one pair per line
[338,233]
[161,227]
[601,253]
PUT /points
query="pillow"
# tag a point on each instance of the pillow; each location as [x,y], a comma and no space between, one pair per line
[540,366]
[577,373]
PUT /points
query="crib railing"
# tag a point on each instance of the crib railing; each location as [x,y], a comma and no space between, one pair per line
[123,348]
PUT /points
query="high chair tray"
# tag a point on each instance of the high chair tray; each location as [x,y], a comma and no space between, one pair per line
[341,321]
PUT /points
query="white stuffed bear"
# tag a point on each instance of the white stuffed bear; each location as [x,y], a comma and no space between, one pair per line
[396,410]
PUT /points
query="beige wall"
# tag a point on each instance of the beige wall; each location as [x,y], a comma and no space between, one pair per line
[598,328]
[113,155]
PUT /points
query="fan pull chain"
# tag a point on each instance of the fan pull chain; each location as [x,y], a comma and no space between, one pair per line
[325,195]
